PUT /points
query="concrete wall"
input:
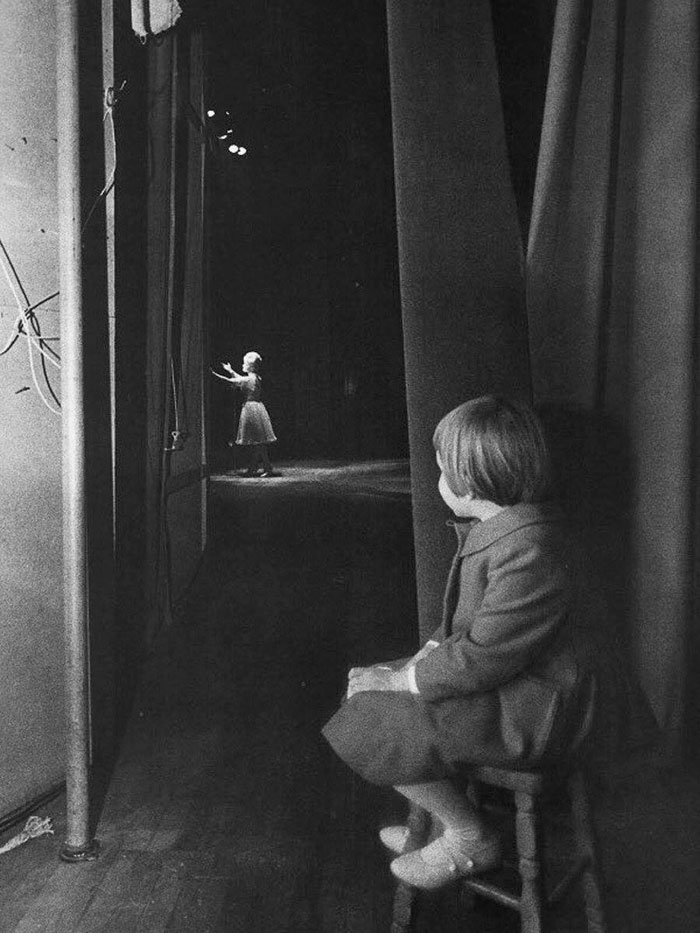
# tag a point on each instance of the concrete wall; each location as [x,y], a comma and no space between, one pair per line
[31,623]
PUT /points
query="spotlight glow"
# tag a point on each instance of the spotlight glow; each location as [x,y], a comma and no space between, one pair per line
[242,150]
[211,113]
[233,148]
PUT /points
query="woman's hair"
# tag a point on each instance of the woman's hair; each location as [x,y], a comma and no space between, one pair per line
[494,449]
[253,359]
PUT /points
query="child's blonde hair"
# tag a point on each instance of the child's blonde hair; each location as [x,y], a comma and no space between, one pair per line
[494,449]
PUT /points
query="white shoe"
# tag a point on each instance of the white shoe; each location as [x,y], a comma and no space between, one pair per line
[394,837]
[437,863]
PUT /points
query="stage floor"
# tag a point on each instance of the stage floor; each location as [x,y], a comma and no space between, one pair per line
[228,813]
[389,478]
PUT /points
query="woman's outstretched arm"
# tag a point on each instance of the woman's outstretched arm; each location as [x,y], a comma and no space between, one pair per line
[220,376]
[235,377]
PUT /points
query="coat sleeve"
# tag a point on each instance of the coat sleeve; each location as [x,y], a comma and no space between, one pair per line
[526,599]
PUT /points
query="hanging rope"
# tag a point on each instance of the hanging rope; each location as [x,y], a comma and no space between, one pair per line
[110,101]
[35,826]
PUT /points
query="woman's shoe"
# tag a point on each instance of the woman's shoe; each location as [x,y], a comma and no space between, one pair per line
[437,864]
[394,837]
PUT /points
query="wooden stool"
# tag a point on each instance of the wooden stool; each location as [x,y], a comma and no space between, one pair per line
[528,789]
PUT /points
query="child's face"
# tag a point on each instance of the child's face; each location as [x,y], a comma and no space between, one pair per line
[462,506]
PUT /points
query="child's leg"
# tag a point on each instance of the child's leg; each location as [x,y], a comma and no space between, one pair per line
[466,846]
[456,813]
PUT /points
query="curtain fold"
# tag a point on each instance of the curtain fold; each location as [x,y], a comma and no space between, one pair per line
[611,286]
[175,504]
[460,250]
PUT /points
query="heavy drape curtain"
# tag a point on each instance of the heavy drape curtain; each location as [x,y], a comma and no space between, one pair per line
[611,291]
[460,254]
[175,499]
[611,286]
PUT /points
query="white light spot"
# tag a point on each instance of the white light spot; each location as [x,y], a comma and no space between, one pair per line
[233,148]
[211,113]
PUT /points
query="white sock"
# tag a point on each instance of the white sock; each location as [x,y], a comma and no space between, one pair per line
[466,837]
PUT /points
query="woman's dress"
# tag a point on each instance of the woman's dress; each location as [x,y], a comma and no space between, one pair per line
[254,425]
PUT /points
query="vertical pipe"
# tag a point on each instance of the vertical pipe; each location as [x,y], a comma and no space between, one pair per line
[198,44]
[110,149]
[162,581]
[78,844]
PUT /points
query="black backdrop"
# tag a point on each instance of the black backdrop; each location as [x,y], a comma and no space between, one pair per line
[303,239]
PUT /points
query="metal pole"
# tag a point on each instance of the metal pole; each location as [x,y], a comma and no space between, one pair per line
[78,845]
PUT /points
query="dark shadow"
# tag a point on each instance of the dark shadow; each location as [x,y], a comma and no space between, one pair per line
[593,481]
[98,446]
[131,360]
[523,39]
[303,238]
[117,540]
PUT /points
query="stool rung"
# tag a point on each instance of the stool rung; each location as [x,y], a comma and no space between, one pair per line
[493,892]
[521,884]
[565,883]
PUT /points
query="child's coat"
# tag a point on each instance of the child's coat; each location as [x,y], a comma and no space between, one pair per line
[508,685]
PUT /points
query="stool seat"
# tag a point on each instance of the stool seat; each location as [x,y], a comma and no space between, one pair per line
[529,788]
[527,782]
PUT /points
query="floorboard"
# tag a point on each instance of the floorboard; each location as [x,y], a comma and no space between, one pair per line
[227,812]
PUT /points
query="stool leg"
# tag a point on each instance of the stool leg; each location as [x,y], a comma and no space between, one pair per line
[402,910]
[527,839]
[474,794]
[585,846]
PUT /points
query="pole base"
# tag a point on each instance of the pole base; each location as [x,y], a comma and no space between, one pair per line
[73,855]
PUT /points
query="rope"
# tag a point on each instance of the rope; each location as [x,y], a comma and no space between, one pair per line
[35,826]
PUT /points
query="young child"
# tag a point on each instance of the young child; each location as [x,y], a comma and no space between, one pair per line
[502,681]
[254,426]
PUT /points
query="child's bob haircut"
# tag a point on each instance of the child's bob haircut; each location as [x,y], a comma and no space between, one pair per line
[494,449]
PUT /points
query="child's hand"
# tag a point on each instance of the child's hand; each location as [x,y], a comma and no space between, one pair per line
[424,651]
[227,367]
[362,679]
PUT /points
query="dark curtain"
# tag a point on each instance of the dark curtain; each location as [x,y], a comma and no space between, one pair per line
[610,283]
[611,273]
[460,253]
[175,502]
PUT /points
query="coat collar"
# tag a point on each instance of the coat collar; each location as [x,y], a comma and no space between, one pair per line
[474,536]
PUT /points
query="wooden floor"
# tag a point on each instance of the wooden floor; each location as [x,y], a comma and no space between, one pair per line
[227,812]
